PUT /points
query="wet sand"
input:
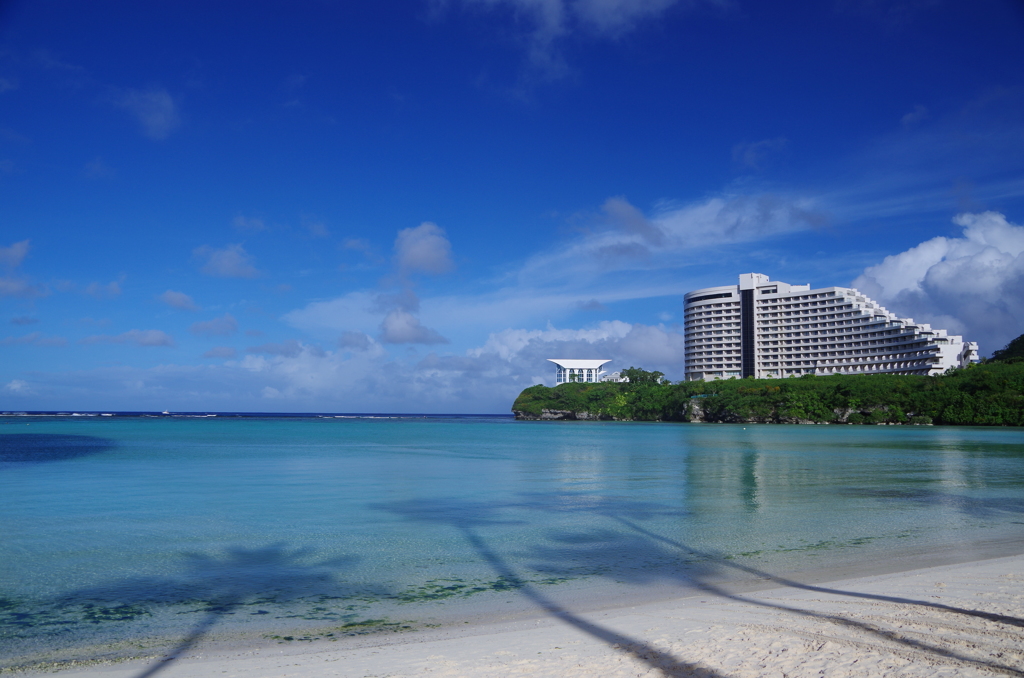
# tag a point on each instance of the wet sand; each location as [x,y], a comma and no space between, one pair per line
[951,620]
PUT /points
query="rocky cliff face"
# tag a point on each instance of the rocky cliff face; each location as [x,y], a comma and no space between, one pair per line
[561,415]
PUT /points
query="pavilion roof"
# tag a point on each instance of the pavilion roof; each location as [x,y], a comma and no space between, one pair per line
[573,364]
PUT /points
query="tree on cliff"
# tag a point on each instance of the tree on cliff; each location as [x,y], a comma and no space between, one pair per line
[639,376]
[1015,349]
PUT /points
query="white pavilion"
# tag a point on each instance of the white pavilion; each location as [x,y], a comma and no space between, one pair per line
[581,370]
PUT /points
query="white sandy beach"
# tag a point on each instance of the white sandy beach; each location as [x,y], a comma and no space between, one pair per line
[953,620]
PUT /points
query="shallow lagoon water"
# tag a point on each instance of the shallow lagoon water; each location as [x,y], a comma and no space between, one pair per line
[123,536]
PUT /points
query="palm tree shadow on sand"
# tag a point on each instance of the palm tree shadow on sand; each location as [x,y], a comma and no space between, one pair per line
[224,583]
[605,549]
[468,517]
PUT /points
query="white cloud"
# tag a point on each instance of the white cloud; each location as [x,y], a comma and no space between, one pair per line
[17,287]
[648,346]
[230,262]
[317,229]
[97,169]
[509,343]
[247,224]
[221,352]
[137,337]
[423,249]
[627,239]
[154,108]
[915,116]
[356,341]
[617,16]
[354,310]
[100,291]
[592,305]
[13,255]
[402,327]
[937,163]
[178,300]
[755,155]
[971,285]
[289,349]
[17,386]
[11,285]
[548,21]
[304,377]
[33,339]
[218,327]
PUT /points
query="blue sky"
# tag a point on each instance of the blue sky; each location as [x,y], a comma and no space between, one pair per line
[408,206]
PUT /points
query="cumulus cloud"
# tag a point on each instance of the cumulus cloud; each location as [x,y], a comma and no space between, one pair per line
[515,358]
[230,262]
[153,108]
[304,377]
[12,256]
[356,309]
[971,285]
[401,327]
[423,249]
[34,339]
[354,341]
[221,352]
[648,346]
[137,337]
[218,327]
[178,300]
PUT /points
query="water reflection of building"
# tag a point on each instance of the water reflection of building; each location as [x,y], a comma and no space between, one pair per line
[731,474]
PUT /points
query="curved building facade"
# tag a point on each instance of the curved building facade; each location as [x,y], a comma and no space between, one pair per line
[771,329]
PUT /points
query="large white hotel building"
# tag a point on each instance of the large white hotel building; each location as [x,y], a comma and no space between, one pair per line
[769,329]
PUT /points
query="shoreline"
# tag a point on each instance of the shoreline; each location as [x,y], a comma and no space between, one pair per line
[966,618]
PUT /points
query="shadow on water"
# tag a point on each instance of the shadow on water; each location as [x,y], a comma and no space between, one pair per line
[218,586]
[637,555]
[620,556]
[44,447]
[469,517]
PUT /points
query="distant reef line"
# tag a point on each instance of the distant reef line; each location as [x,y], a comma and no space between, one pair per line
[985,394]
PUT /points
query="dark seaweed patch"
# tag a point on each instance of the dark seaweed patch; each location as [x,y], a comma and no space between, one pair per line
[95,614]
[44,447]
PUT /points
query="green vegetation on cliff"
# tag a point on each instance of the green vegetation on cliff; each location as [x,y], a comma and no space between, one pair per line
[991,394]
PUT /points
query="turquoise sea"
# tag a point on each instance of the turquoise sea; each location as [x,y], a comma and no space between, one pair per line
[126,536]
